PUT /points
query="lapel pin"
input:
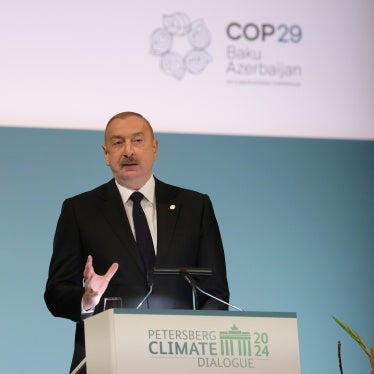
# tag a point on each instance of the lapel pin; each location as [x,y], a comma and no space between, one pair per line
[172,206]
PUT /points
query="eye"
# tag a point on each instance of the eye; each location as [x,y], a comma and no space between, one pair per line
[138,140]
[117,143]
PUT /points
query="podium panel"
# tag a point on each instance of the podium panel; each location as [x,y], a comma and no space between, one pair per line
[185,342]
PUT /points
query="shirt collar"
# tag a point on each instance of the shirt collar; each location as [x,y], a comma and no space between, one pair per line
[148,190]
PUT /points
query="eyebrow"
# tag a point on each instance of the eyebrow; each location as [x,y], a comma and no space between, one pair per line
[131,135]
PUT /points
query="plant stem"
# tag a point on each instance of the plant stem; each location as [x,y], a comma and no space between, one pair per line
[340,357]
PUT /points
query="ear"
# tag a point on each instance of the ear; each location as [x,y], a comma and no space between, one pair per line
[106,154]
[155,147]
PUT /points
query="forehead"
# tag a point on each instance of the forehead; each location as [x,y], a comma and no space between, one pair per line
[127,127]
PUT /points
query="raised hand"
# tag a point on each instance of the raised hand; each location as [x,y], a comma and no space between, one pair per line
[95,285]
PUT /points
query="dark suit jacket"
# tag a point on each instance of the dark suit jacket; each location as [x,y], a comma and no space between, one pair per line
[95,223]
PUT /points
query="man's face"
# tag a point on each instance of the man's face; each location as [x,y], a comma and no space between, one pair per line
[130,151]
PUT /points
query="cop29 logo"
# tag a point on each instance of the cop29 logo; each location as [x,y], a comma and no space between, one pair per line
[177,62]
[253,32]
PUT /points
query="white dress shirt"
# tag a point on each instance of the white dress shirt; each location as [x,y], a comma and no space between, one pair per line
[148,204]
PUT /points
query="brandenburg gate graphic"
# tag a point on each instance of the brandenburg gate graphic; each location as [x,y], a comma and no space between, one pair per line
[235,342]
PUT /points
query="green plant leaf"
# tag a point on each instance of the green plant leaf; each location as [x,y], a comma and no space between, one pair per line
[354,335]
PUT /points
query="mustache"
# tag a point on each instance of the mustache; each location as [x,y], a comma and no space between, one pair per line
[129,161]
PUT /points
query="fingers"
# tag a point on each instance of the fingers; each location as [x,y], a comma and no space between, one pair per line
[88,269]
[95,285]
[111,271]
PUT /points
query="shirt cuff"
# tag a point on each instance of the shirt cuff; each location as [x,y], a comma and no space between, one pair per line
[85,312]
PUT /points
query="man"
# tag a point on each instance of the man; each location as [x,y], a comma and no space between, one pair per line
[96,235]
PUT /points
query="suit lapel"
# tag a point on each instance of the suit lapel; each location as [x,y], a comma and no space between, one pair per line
[167,215]
[115,214]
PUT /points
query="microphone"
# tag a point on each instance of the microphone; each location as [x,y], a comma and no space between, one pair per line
[196,272]
[188,274]
[150,285]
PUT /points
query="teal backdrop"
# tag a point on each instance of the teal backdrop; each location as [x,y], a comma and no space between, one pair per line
[296,217]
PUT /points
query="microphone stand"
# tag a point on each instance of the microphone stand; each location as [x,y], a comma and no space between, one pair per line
[192,282]
[150,285]
[146,296]
[78,368]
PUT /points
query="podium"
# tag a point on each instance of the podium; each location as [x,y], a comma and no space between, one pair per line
[185,342]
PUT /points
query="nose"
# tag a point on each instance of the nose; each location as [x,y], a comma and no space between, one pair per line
[128,150]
